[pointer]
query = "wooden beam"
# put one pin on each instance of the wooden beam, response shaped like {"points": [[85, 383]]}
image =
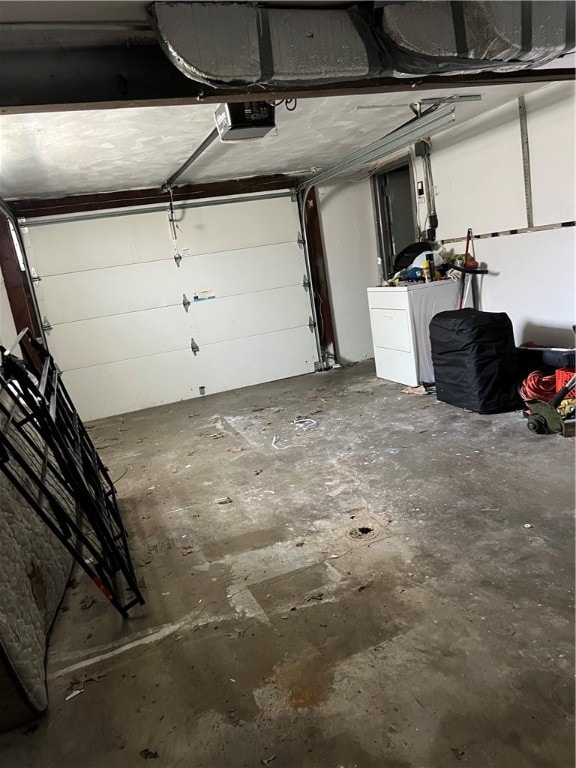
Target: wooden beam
{"points": [[17, 286], [117, 77], [135, 197], [318, 269], [387, 85]]}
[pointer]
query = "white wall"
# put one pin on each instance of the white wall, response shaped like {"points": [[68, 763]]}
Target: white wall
{"points": [[477, 170], [552, 139], [349, 234], [7, 327], [537, 295]]}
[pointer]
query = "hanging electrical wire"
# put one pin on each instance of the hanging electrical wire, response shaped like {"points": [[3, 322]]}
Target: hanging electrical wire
{"points": [[174, 228], [290, 104], [171, 219]]}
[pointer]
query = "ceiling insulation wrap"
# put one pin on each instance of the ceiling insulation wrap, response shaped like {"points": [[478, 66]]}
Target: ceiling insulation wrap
{"points": [[210, 43], [435, 37], [241, 44]]}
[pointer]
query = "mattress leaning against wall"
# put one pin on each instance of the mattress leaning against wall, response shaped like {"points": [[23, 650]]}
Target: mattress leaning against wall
{"points": [[34, 571], [57, 503]]}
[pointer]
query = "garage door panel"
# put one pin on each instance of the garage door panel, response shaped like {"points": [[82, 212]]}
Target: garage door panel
{"points": [[131, 385], [236, 317], [103, 292], [244, 270], [223, 366], [113, 293], [247, 224], [136, 334], [78, 246]]}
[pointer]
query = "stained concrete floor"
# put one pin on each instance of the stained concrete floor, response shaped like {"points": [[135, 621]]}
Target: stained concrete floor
{"points": [[277, 633]]}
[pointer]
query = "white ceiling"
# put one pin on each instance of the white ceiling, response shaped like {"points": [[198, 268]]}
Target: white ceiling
{"points": [[64, 153]]}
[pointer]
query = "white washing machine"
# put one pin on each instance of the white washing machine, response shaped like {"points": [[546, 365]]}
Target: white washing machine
{"points": [[400, 319]]}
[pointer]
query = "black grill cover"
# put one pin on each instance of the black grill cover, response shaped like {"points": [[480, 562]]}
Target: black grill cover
{"points": [[474, 360]]}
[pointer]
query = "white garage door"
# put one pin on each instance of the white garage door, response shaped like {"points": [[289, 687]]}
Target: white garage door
{"points": [[123, 332]]}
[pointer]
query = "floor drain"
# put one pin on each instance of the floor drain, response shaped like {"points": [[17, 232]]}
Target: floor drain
{"points": [[362, 532]]}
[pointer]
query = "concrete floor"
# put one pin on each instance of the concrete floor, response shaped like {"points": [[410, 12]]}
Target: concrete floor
{"points": [[276, 633]]}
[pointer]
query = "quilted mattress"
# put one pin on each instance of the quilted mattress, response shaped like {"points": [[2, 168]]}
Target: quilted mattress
{"points": [[34, 570]]}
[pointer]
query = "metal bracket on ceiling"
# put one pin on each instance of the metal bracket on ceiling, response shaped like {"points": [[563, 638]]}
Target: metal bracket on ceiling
{"points": [[300, 240], [194, 347], [185, 302], [452, 99], [177, 258], [430, 122], [46, 325], [306, 283], [311, 324], [439, 101]]}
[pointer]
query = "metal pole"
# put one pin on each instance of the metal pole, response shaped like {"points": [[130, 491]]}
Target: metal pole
{"points": [[169, 183], [41, 221], [430, 121], [526, 161]]}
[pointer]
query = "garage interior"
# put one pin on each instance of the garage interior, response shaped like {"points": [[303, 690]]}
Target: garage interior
{"points": [[324, 565]]}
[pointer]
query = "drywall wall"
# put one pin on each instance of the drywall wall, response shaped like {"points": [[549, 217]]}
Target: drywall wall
{"points": [[349, 234], [552, 141], [478, 175], [539, 300], [7, 327], [477, 171]]}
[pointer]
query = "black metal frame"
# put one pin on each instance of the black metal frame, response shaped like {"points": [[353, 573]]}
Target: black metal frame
{"points": [[47, 454]]}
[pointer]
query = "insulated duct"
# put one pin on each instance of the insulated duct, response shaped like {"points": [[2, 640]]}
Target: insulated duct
{"points": [[444, 37], [242, 44]]}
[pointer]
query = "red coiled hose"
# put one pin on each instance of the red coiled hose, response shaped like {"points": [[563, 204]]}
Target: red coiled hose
{"points": [[537, 386]]}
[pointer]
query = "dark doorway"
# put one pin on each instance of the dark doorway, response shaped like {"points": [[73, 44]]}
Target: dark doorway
{"points": [[397, 224]]}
